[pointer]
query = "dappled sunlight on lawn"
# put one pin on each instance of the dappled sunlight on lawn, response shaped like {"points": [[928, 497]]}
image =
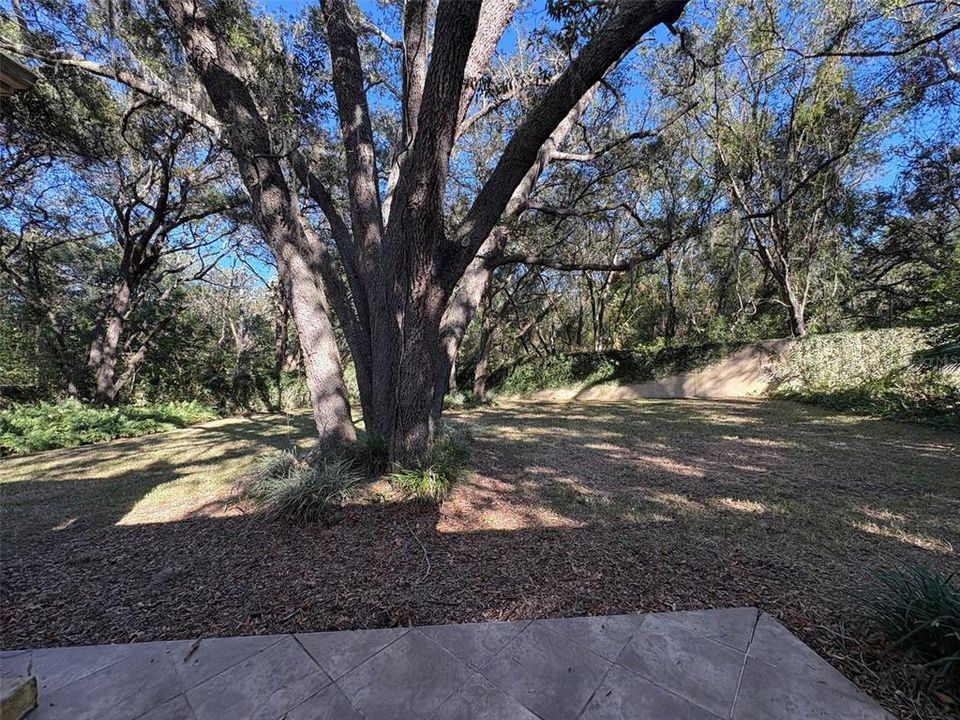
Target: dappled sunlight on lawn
{"points": [[921, 541], [155, 478], [796, 477], [743, 506], [569, 510]]}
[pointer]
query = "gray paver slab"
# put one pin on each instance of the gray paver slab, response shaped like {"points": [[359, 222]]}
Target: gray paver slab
{"points": [[626, 695], [57, 667], [123, 690], [546, 673], [606, 636], [480, 699], [328, 704], [263, 686], [409, 678], [474, 643], [197, 662], [340, 651], [772, 693], [176, 709], [15, 664], [775, 645], [730, 626], [678, 666], [696, 668]]}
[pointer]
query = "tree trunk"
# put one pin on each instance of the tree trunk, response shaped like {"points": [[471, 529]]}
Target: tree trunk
{"points": [[795, 312], [275, 211], [486, 346], [105, 346], [453, 376], [321, 357], [460, 311], [413, 422], [281, 319]]}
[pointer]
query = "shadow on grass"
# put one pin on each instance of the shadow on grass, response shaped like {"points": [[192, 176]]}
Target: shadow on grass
{"points": [[741, 467], [42, 496], [573, 509]]}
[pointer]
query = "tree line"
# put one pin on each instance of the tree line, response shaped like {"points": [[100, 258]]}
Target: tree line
{"points": [[422, 182]]}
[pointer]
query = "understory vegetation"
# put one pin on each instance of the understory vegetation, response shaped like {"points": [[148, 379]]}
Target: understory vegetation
{"points": [[918, 609], [304, 487], [433, 477], [897, 373], [292, 486], [645, 362], [45, 426]]}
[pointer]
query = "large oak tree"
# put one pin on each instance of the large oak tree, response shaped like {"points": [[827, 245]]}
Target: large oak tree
{"points": [[387, 258]]}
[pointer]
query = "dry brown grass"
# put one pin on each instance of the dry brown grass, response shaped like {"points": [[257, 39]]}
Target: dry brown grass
{"points": [[155, 478], [573, 509]]}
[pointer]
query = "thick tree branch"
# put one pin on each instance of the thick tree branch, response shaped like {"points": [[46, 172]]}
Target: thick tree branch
{"points": [[357, 134], [149, 88], [495, 15], [619, 34], [419, 193]]}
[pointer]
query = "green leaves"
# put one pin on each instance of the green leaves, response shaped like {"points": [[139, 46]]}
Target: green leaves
{"points": [[293, 487], [46, 426], [434, 476], [918, 609]]}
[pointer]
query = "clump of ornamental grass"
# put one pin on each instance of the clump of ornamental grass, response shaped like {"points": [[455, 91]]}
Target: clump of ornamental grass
{"points": [[372, 453], [918, 610], [287, 486], [432, 478]]}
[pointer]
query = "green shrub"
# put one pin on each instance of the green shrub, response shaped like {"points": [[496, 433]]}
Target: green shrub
{"points": [[286, 486], [836, 361], [294, 392], [46, 426], [434, 476], [614, 366], [456, 400], [270, 468], [465, 399], [918, 609], [883, 373]]}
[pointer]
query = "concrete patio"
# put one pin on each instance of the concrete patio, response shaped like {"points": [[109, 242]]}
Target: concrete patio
{"points": [[734, 663]]}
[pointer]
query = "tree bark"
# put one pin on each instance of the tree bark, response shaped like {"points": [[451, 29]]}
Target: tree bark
{"points": [[486, 346], [105, 346], [415, 239], [281, 320], [274, 208]]}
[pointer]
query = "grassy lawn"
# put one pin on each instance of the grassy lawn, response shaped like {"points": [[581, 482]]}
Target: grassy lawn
{"points": [[156, 478], [573, 509]]}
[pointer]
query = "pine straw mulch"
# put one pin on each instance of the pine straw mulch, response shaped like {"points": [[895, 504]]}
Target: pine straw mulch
{"points": [[573, 510]]}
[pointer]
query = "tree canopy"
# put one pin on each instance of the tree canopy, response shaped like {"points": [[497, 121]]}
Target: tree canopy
{"points": [[425, 186]]}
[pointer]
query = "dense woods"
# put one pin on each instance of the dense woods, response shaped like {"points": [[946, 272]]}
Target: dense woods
{"points": [[209, 200]]}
